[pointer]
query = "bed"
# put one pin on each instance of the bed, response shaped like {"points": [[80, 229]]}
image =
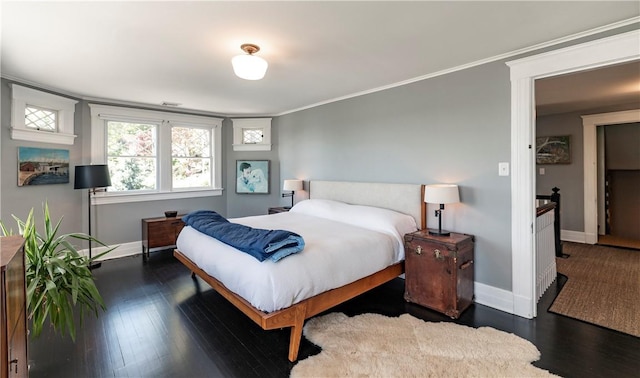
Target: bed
{"points": [[286, 293]]}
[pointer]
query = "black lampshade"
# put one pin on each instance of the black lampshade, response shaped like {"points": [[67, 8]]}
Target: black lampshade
{"points": [[92, 176]]}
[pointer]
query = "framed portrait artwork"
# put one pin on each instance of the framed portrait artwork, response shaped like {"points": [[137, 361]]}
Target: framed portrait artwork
{"points": [[553, 150], [252, 176]]}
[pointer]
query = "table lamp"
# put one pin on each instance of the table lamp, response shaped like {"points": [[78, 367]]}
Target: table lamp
{"points": [[441, 194], [291, 185]]}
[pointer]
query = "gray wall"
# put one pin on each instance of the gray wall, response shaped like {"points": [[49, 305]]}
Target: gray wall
{"points": [[240, 205], [568, 177], [453, 128], [112, 224], [449, 129], [622, 144], [63, 200]]}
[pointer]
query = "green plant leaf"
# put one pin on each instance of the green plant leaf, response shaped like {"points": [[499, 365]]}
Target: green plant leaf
{"points": [[58, 276]]}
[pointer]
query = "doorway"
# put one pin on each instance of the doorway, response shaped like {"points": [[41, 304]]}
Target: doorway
{"points": [[618, 180], [595, 179], [607, 51]]}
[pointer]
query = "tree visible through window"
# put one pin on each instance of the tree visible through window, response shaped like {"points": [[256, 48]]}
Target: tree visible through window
{"points": [[132, 155], [156, 155], [191, 157]]}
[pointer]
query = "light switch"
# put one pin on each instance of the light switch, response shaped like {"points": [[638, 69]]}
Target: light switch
{"points": [[541, 171], [503, 169]]}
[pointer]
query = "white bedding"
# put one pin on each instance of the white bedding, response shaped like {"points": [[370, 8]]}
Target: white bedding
{"points": [[335, 254]]}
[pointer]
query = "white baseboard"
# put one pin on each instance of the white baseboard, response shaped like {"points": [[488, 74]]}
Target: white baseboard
{"points": [[572, 236], [493, 297], [123, 250]]}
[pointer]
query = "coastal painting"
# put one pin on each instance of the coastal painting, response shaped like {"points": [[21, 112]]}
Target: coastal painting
{"points": [[42, 166]]}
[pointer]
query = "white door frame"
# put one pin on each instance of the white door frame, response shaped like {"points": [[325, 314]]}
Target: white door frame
{"points": [[590, 124], [603, 52]]}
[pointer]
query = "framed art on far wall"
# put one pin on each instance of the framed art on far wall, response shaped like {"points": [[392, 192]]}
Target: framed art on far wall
{"points": [[252, 176], [553, 150]]}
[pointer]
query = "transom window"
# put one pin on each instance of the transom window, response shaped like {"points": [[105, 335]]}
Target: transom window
{"points": [[38, 116], [40, 119], [156, 155], [251, 136]]}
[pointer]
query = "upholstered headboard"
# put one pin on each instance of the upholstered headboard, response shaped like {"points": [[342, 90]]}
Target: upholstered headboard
{"points": [[404, 198]]}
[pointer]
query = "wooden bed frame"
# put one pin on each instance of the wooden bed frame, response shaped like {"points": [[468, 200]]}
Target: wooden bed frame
{"points": [[295, 315]]}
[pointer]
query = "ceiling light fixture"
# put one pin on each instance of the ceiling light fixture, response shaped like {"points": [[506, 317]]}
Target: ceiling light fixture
{"points": [[249, 66]]}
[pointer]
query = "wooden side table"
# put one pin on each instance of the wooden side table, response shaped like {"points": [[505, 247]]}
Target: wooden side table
{"points": [[276, 210], [160, 233], [439, 271]]}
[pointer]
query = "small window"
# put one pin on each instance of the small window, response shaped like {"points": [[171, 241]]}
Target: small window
{"points": [[40, 119], [251, 136], [39, 116]]}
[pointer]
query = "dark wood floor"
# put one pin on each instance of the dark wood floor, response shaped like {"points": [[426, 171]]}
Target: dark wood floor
{"points": [[161, 323]]}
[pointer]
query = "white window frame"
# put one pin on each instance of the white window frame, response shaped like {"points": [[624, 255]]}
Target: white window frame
{"points": [[21, 97], [241, 124], [102, 113]]}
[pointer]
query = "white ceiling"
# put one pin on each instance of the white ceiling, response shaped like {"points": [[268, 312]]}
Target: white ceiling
{"points": [[599, 88], [180, 51]]}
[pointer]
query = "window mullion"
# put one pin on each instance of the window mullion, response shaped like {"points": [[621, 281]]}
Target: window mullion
{"points": [[164, 157]]}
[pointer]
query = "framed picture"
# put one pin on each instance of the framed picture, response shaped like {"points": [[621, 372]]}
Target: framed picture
{"points": [[42, 166], [553, 150], [252, 176]]}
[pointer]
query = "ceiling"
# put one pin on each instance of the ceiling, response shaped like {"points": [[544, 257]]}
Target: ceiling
{"points": [[318, 52], [593, 89]]}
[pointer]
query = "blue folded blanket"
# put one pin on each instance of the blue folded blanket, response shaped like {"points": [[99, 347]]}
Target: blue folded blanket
{"points": [[259, 243]]}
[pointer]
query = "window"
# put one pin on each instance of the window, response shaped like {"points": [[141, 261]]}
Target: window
{"points": [[41, 119], [156, 155], [191, 157], [132, 155], [40, 116], [251, 134]]}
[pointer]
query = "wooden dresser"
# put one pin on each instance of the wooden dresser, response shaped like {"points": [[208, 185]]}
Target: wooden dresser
{"points": [[160, 233], [14, 308], [439, 271]]}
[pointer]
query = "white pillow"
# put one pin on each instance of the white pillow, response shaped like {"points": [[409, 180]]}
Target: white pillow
{"points": [[373, 218]]}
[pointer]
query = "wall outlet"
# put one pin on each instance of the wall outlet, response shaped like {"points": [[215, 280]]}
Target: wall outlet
{"points": [[542, 171], [503, 169]]}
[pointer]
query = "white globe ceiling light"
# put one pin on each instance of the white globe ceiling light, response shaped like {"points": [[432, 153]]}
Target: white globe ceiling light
{"points": [[249, 66]]}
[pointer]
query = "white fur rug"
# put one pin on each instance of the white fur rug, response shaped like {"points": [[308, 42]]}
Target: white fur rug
{"points": [[372, 345]]}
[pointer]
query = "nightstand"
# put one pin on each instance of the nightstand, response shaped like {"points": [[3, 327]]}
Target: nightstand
{"points": [[276, 210], [439, 271], [159, 233]]}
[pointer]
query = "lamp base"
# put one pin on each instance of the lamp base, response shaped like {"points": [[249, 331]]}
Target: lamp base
{"points": [[439, 232], [95, 265]]}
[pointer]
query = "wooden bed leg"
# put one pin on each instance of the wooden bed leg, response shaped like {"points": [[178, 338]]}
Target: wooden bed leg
{"points": [[296, 332], [193, 275]]}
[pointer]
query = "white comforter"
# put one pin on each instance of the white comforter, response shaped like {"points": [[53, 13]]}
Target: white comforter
{"points": [[335, 254]]}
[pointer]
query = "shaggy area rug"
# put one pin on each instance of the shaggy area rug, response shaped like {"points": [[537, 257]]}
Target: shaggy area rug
{"points": [[372, 345]]}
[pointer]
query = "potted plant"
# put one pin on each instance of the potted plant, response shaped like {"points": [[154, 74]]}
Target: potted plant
{"points": [[58, 278]]}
